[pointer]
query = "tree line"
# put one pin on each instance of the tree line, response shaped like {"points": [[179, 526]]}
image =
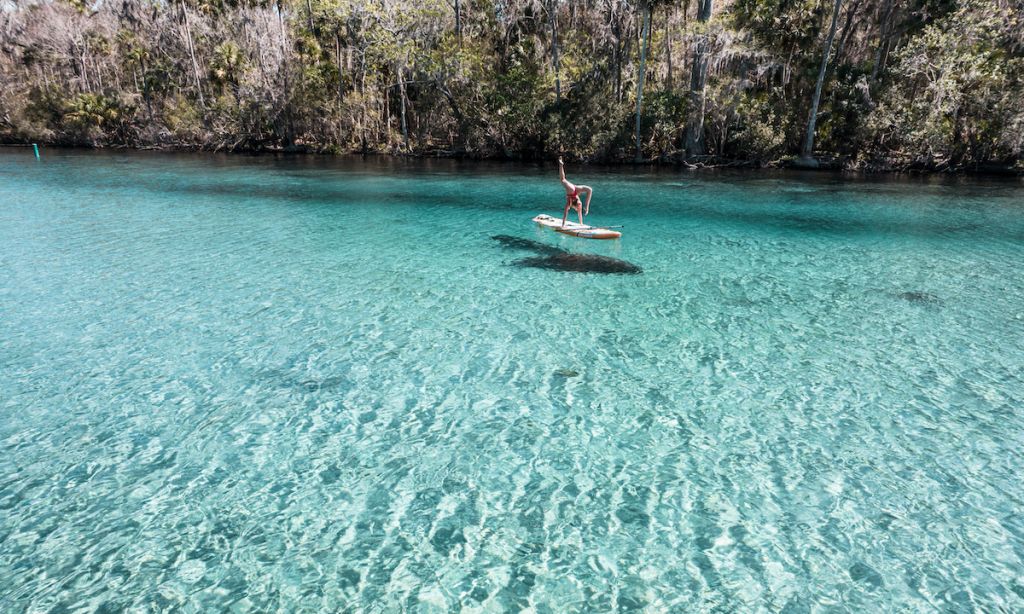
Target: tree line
{"points": [[934, 84]]}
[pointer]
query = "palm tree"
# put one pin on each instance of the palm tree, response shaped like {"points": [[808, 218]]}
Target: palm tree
{"points": [[227, 65]]}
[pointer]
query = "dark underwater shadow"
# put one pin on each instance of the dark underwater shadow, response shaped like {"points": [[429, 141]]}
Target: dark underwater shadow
{"points": [[844, 223], [919, 297], [527, 245], [285, 378], [581, 263], [557, 259]]}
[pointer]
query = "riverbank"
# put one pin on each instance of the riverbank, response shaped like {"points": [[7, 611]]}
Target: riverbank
{"points": [[825, 163]]}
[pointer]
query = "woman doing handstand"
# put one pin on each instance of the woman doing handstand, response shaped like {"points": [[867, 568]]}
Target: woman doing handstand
{"points": [[572, 195]]}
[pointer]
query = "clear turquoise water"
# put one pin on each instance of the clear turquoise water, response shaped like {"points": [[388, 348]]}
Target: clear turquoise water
{"points": [[271, 384]]}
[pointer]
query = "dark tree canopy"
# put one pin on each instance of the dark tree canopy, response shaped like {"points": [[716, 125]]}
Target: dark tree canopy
{"points": [[907, 83]]}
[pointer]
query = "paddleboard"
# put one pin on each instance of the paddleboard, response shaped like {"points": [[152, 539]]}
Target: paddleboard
{"points": [[576, 229]]}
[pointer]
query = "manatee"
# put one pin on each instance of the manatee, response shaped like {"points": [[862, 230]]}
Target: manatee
{"points": [[918, 296], [581, 263], [558, 259], [527, 245]]}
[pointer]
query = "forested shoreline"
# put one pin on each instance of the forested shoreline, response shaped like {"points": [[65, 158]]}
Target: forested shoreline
{"points": [[857, 84]]}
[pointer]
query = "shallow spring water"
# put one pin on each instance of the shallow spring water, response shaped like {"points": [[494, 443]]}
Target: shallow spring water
{"points": [[258, 384]]}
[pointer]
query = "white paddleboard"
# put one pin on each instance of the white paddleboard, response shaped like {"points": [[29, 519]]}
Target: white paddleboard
{"points": [[576, 229]]}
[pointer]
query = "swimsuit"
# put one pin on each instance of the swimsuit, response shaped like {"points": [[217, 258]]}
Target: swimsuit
{"points": [[570, 198]]}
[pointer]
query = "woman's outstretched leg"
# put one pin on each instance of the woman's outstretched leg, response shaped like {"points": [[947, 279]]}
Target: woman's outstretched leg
{"points": [[561, 175]]}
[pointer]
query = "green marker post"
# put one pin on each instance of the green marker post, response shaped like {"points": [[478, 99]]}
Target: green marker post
{"points": [[35, 148]]}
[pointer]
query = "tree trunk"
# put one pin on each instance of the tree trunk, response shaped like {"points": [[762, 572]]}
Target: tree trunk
{"points": [[192, 54], [99, 73], [812, 119], [289, 136], [883, 40], [259, 56], [364, 120], [883, 56], [386, 113], [84, 71], [698, 80], [627, 49], [145, 88], [85, 74], [458, 21], [617, 30], [848, 28], [554, 50], [341, 75], [401, 105], [640, 82], [668, 50]]}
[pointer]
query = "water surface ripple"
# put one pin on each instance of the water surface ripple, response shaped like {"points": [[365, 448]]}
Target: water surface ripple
{"points": [[275, 384]]}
